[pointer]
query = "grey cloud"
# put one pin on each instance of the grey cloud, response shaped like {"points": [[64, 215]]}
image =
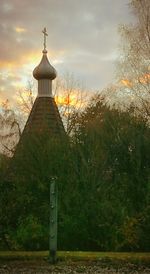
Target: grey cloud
{"points": [[93, 70], [86, 30]]}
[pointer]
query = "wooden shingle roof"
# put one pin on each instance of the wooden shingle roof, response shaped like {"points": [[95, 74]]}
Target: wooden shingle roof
{"points": [[44, 118]]}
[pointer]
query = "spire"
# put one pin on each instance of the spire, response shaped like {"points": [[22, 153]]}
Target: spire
{"points": [[44, 73], [44, 123]]}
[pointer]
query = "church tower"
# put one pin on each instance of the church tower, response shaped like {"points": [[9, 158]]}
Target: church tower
{"points": [[44, 116], [44, 127]]}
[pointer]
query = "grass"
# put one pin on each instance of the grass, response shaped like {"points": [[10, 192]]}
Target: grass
{"points": [[112, 257]]}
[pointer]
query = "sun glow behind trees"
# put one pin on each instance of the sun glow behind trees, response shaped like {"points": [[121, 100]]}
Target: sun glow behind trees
{"points": [[143, 79], [69, 95]]}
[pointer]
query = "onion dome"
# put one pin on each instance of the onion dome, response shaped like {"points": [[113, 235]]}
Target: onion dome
{"points": [[44, 70]]}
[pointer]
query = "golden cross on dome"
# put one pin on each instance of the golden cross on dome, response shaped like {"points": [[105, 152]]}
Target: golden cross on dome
{"points": [[45, 34]]}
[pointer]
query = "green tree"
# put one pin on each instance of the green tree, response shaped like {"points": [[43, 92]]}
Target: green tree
{"points": [[113, 170]]}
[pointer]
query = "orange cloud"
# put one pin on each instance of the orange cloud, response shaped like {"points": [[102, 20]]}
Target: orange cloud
{"points": [[20, 30], [28, 60], [25, 60], [7, 64]]}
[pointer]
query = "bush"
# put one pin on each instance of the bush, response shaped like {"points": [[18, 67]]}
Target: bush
{"points": [[32, 235], [135, 232]]}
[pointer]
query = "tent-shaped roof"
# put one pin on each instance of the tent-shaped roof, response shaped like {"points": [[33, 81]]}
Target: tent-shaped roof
{"points": [[44, 118]]}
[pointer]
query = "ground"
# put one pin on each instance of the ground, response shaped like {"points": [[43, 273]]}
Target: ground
{"points": [[43, 267], [25, 262]]}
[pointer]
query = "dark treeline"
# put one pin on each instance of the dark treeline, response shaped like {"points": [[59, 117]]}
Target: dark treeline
{"points": [[103, 177]]}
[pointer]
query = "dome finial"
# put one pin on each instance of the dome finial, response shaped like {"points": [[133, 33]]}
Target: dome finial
{"points": [[45, 34], [44, 70]]}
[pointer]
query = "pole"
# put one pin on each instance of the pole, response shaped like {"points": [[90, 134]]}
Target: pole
{"points": [[53, 221]]}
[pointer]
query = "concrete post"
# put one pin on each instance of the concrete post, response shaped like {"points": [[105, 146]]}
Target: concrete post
{"points": [[53, 221]]}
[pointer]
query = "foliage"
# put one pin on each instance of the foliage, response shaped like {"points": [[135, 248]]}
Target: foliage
{"points": [[114, 151], [103, 179], [31, 234], [135, 231]]}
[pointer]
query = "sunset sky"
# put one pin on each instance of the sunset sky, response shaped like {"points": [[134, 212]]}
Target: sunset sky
{"points": [[82, 39]]}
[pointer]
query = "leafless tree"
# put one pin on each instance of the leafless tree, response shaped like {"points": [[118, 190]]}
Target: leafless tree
{"points": [[134, 65], [70, 97], [9, 130], [26, 97], [69, 94]]}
